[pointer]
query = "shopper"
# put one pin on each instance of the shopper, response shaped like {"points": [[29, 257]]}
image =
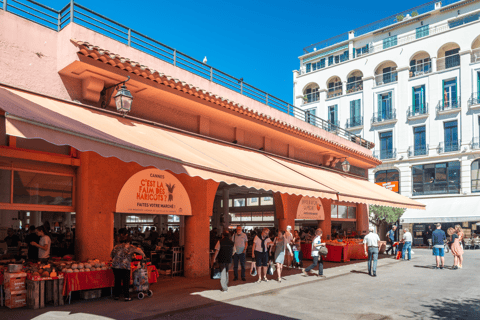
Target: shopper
{"points": [[455, 248], [43, 245], [461, 235], [241, 243], [407, 244], [391, 239], [317, 258], [261, 244], [224, 251], [280, 245], [438, 243], [13, 242], [371, 241], [297, 254], [289, 255], [32, 236], [122, 256]]}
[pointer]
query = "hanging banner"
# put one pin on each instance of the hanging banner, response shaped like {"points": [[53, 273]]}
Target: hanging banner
{"points": [[392, 185], [154, 191], [310, 209]]}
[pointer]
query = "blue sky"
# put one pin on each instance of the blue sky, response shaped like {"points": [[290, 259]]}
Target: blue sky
{"points": [[257, 40]]}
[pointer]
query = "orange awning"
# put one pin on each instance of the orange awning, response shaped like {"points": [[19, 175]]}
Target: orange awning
{"points": [[85, 128]]}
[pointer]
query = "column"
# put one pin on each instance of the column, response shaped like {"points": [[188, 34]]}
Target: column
{"points": [[226, 214], [369, 107], [466, 126], [68, 220], [362, 219], [286, 209], [401, 104], [326, 224]]}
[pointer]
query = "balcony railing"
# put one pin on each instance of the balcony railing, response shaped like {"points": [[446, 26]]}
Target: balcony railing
{"points": [[475, 143], [385, 78], [420, 69], [354, 86], [311, 97], [448, 62], [448, 105], [449, 146], [475, 55], [421, 150], [384, 116], [414, 111], [354, 122], [474, 99], [80, 15], [333, 126], [334, 92], [385, 154]]}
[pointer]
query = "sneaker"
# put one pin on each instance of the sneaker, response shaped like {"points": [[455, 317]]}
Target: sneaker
{"points": [[304, 272], [441, 268], [321, 276]]}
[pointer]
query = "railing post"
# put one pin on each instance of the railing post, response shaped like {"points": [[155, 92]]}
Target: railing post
{"points": [[266, 99], [174, 57], [241, 87], [129, 37], [288, 108], [211, 74], [5, 5], [59, 21], [71, 10]]}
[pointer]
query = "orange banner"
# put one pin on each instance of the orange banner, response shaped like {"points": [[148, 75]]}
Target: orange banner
{"points": [[392, 185]]}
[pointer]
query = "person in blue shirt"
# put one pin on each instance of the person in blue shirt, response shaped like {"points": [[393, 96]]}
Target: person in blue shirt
{"points": [[438, 237], [391, 239]]}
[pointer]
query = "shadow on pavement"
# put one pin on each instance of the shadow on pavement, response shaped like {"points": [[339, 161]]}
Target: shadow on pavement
{"points": [[361, 272], [449, 309], [425, 267]]}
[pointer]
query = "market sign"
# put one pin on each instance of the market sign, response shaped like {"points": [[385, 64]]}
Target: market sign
{"points": [[310, 209], [154, 191], [392, 185]]}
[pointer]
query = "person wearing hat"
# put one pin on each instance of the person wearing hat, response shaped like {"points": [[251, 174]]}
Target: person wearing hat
{"points": [[288, 254]]}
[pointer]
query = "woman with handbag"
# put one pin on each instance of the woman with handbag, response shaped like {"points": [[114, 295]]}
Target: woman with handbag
{"points": [[455, 248], [279, 248], [318, 249]]}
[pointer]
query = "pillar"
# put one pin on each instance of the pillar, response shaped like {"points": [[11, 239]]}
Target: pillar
{"points": [[68, 220], [286, 206], [362, 219], [197, 226], [326, 224], [226, 214]]}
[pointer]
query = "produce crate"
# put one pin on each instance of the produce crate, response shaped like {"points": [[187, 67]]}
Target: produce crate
{"points": [[15, 299], [14, 281], [42, 291], [90, 294]]}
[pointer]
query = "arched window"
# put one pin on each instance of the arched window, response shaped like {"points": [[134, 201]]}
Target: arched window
{"points": [[354, 81], [334, 85], [386, 72], [420, 64], [389, 179], [310, 93], [448, 56], [476, 176]]}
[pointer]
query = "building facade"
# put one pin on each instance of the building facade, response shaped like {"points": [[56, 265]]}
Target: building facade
{"points": [[411, 84]]}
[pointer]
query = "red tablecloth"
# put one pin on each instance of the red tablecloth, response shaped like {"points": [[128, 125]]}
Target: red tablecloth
{"points": [[98, 279], [355, 252], [1, 279], [335, 253], [307, 251]]}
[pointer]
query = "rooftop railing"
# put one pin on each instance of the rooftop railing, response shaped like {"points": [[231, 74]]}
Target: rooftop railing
{"points": [[76, 13], [384, 116], [420, 69]]}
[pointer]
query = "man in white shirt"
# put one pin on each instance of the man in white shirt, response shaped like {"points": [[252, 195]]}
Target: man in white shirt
{"points": [[317, 258], [261, 245], [241, 242], [407, 244], [289, 238], [371, 241], [43, 246]]}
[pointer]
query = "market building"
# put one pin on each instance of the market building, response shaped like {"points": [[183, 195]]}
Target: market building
{"points": [[410, 83], [192, 140]]}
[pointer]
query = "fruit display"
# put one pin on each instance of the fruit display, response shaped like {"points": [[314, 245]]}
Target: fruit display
{"points": [[344, 242]]}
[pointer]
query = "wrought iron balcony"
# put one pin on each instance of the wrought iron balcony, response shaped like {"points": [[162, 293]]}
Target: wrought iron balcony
{"points": [[449, 146], [385, 154], [354, 122], [421, 150], [420, 69], [446, 106], [311, 97], [334, 92], [474, 100], [417, 111], [384, 117], [387, 77], [448, 62], [354, 86]]}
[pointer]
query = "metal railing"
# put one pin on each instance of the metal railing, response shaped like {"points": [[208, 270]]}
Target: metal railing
{"points": [[387, 77], [311, 97], [447, 105], [354, 86], [474, 99], [421, 150], [384, 116], [449, 146], [414, 111], [334, 91], [333, 125], [448, 62], [475, 143], [385, 154], [354, 122], [76, 13], [420, 69], [475, 55]]}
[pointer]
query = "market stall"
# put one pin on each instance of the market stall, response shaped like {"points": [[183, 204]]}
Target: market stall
{"points": [[345, 250]]}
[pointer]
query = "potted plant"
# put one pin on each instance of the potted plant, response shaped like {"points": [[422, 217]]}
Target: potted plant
{"points": [[400, 17], [414, 13], [305, 99]]}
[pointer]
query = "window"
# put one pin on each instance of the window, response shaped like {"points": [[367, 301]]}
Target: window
{"points": [[464, 20], [361, 51], [310, 116], [419, 67], [386, 145], [334, 59], [476, 176], [343, 212], [420, 147], [230, 203], [239, 202], [422, 31], [334, 88], [451, 136], [355, 116], [389, 42], [330, 60], [266, 201], [388, 179], [311, 94], [418, 100], [452, 58], [450, 94], [332, 114], [354, 84], [439, 178], [251, 202], [308, 67], [389, 75], [384, 107]]}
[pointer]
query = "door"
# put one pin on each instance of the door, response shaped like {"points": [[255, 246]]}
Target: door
{"points": [[450, 94], [332, 115], [419, 141], [418, 100], [387, 75], [386, 145], [387, 106], [355, 113], [451, 136]]}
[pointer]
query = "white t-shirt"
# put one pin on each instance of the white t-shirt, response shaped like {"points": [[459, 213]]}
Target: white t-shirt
{"points": [[371, 239], [407, 236], [315, 243], [240, 241], [44, 254], [257, 244]]}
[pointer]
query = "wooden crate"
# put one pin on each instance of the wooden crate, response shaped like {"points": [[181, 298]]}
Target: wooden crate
{"points": [[40, 292], [90, 294]]}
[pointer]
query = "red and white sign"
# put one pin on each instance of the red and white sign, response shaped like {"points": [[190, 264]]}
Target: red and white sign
{"points": [[310, 209], [392, 185], [153, 191]]}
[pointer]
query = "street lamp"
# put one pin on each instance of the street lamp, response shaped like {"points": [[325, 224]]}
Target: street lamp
{"points": [[346, 165], [123, 98]]}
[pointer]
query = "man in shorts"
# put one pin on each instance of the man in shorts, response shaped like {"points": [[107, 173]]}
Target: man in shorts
{"points": [[438, 237]]}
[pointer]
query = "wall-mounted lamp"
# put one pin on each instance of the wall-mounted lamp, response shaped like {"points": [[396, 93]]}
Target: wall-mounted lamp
{"points": [[346, 165], [123, 98]]}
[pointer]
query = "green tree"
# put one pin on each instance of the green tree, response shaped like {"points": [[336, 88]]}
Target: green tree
{"points": [[381, 214]]}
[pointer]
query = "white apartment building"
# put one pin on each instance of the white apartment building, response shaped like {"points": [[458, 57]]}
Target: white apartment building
{"points": [[410, 83]]}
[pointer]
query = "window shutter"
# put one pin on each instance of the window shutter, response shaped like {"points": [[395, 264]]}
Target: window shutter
{"points": [[357, 108], [456, 90], [353, 53], [443, 92], [352, 109], [422, 98], [413, 99], [336, 114], [379, 107]]}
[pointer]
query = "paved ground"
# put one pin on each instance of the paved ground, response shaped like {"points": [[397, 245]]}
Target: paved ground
{"points": [[402, 290]]}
